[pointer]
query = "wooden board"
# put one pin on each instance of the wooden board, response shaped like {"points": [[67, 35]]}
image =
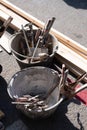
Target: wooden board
{"points": [[5, 42]]}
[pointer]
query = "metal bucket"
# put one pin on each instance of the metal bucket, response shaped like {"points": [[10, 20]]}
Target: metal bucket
{"points": [[39, 81], [35, 81], [21, 58]]}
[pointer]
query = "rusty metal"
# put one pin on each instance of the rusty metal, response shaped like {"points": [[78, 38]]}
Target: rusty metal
{"points": [[31, 103]]}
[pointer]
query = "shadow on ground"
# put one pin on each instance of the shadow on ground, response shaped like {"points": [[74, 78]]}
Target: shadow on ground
{"points": [[78, 4], [5, 104], [58, 120]]}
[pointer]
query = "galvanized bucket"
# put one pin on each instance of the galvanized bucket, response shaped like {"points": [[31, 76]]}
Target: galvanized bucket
{"points": [[35, 81], [39, 81], [51, 44]]}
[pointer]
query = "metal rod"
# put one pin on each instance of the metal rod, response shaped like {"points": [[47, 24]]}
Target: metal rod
{"points": [[43, 36], [35, 50], [21, 103], [80, 88], [65, 76], [29, 51], [51, 90], [47, 29], [5, 25], [32, 34], [38, 32], [78, 80], [58, 68]]}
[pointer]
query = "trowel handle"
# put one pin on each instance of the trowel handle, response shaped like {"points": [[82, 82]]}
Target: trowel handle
{"points": [[80, 89]]}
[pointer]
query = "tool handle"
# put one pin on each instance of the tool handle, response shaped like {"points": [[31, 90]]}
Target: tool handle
{"points": [[5, 25], [48, 27]]}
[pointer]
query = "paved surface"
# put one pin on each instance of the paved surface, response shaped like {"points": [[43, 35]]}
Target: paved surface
{"points": [[70, 115], [71, 15]]}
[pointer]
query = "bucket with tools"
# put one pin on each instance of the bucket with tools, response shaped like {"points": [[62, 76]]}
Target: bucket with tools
{"points": [[33, 47], [38, 91]]}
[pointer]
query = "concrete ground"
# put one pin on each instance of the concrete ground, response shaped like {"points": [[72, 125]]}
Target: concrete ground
{"points": [[70, 20], [71, 15]]}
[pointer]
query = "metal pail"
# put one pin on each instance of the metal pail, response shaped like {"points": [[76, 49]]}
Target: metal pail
{"points": [[36, 81], [22, 58]]}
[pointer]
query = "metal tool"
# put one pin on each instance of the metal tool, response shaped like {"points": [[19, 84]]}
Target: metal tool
{"points": [[58, 84], [73, 85], [38, 32], [43, 36], [29, 51], [5, 25], [32, 103], [46, 30], [32, 34]]}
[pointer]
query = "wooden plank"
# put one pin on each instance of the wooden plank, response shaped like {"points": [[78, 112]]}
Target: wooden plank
{"points": [[15, 24], [0, 49], [17, 20], [73, 45], [5, 16], [5, 42], [72, 67], [76, 64], [72, 56], [62, 38]]}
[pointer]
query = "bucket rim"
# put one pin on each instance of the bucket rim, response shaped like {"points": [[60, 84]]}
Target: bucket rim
{"points": [[37, 67], [28, 68], [15, 53]]}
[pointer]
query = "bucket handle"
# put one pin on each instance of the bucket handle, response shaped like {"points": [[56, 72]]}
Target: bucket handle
{"points": [[80, 89], [71, 94], [26, 57]]}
